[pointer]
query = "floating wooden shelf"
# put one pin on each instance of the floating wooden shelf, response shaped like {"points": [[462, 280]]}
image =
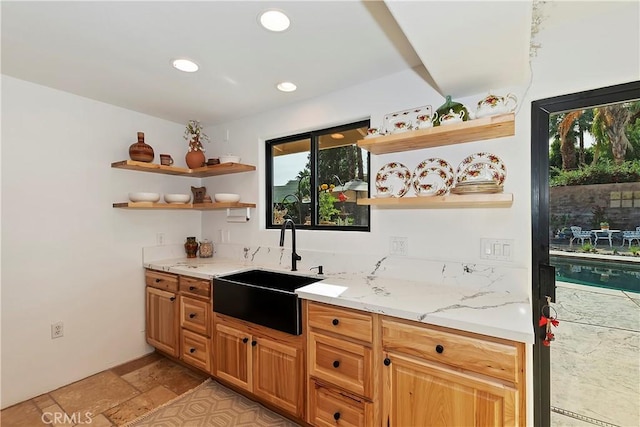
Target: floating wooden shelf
{"points": [[472, 130], [220, 169], [497, 200], [182, 206]]}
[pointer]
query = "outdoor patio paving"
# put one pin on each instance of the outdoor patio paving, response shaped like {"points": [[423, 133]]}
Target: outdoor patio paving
{"points": [[595, 359]]}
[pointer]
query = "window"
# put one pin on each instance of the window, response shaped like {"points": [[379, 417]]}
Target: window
{"points": [[316, 179]]}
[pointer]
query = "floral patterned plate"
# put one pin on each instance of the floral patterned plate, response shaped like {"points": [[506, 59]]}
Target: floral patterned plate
{"points": [[432, 177], [481, 167], [394, 178]]}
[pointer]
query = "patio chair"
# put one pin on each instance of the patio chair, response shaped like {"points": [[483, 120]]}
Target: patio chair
{"points": [[631, 236], [579, 234]]}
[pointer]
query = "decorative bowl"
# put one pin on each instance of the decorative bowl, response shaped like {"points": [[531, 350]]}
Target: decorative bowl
{"points": [[144, 197], [229, 159], [226, 197], [177, 198]]}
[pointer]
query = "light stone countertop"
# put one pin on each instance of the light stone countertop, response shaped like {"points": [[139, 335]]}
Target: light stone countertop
{"points": [[495, 313]]}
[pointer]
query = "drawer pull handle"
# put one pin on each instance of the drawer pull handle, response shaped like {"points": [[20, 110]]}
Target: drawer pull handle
{"points": [[254, 343], [192, 288], [335, 322], [336, 416], [172, 299], [158, 280], [336, 363], [192, 350], [386, 361], [439, 349], [192, 315], [245, 340]]}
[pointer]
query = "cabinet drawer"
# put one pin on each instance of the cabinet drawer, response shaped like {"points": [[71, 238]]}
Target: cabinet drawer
{"points": [[196, 350], [164, 281], [342, 363], [195, 315], [495, 359], [329, 407], [343, 321], [195, 287]]}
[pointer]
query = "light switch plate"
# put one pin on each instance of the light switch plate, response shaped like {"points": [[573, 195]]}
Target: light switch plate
{"points": [[496, 249], [398, 246]]}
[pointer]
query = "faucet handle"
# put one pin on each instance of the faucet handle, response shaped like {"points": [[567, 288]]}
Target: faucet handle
{"points": [[319, 267]]}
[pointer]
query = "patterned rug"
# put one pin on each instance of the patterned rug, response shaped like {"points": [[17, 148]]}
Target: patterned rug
{"points": [[211, 404]]}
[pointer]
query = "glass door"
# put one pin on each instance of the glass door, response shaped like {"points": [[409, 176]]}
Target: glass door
{"points": [[589, 374]]}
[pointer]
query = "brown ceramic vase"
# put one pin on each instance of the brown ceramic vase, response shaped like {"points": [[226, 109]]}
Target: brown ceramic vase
{"points": [[195, 159], [140, 151]]}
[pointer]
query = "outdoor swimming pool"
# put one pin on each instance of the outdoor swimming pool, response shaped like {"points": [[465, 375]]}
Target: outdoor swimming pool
{"points": [[623, 276]]}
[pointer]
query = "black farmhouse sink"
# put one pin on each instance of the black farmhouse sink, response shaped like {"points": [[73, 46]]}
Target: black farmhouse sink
{"points": [[263, 297]]}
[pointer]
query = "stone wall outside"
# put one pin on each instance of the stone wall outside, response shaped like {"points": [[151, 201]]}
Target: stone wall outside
{"points": [[574, 205]]}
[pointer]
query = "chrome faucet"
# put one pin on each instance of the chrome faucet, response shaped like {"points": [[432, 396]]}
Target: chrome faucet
{"points": [[294, 256]]}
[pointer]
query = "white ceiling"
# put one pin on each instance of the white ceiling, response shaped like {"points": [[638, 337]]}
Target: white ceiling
{"points": [[121, 52]]}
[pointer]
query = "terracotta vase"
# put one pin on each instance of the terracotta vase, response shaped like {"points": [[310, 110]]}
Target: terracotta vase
{"points": [[195, 159], [140, 151]]}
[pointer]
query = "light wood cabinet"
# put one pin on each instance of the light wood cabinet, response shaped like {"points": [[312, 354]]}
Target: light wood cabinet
{"points": [[178, 317], [162, 320], [265, 362], [440, 377], [343, 381]]}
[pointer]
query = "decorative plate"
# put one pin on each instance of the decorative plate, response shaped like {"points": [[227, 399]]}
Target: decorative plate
{"points": [[481, 167], [432, 177], [394, 178]]}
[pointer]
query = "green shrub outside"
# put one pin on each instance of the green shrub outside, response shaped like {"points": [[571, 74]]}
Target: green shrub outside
{"points": [[604, 172]]}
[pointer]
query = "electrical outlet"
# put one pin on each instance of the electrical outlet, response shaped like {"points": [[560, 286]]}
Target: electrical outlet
{"points": [[57, 330], [398, 246], [159, 239]]}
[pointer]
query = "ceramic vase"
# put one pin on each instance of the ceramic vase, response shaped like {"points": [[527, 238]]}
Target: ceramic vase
{"points": [[191, 247], [140, 151]]}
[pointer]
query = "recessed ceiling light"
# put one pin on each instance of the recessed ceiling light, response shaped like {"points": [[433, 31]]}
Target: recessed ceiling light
{"points": [[337, 136], [185, 65], [286, 87], [274, 20]]}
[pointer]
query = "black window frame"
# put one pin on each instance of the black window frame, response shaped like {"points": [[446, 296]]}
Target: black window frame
{"points": [[313, 136]]}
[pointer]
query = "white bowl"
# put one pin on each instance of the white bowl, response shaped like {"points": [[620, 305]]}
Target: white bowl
{"points": [[144, 197], [226, 197], [177, 198], [229, 159]]}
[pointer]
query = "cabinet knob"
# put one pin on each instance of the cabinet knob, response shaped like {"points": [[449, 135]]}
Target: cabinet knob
{"points": [[192, 350], [254, 343], [336, 363], [336, 416], [192, 288], [172, 298], [386, 361], [158, 280], [439, 349], [245, 340], [192, 315], [335, 322]]}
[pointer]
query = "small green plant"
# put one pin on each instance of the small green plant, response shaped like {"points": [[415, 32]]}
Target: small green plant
{"points": [[635, 250], [326, 200], [588, 247], [615, 251], [194, 134]]}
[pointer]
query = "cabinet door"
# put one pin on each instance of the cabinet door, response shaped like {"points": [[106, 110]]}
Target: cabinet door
{"points": [[162, 321], [232, 359], [278, 374], [425, 394]]}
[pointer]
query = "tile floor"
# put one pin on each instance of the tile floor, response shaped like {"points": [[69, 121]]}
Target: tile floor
{"points": [[595, 359], [110, 398]]}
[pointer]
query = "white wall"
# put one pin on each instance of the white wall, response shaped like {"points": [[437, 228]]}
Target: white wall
{"points": [[67, 255]]}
